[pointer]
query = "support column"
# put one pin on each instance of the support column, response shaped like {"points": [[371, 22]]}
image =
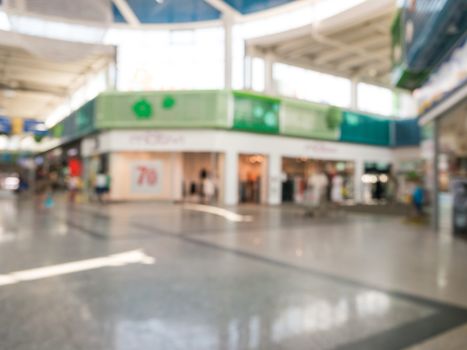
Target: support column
{"points": [[435, 210], [275, 179], [354, 94], [177, 176], [248, 72], [231, 178], [228, 50], [358, 187], [268, 74]]}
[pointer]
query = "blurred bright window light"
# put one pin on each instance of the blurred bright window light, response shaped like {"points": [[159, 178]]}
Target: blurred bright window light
{"points": [[3, 142], [4, 22], [375, 99], [93, 87], [166, 60], [58, 114], [312, 86], [11, 183], [257, 76]]}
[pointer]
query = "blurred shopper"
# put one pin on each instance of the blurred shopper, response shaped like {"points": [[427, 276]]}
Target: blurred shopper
{"points": [[378, 190], [73, 188], [193, 191], [418, 198], [392, 188], [101, 186], [202, 176], [318, 183], [23, 185], [337, 188], [209, 189], [43, 190]]}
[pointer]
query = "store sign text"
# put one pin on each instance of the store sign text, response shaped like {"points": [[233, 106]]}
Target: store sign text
{"points": [[156, 139], [321, 148]]}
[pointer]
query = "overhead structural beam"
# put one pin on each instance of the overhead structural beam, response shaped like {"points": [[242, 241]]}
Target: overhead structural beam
{"points": [[127, 12], [43, 90], [383, 54], [223, 7]]}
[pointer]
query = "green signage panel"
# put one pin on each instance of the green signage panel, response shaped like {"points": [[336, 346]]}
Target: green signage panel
{"points": [[311, 120], [174, 109], [256, 113], [365, 129], [77, 124]]}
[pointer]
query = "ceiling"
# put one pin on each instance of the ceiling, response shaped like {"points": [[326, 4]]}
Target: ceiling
{"points": [[144, 11], [178, 11], [32, 85], [355, 43]]}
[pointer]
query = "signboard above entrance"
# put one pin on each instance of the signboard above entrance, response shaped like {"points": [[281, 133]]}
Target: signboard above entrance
{"points": [[256, 113]]}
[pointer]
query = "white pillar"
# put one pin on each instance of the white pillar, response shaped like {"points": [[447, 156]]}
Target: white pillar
{"points": [[247, 72], [177, 176], [228, 51], [358, 185], [268, 74], [354, 94], [275, 179], [231, 178]]}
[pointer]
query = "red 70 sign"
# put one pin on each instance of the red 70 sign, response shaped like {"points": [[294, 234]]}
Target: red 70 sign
{"points": [[146, 176]]}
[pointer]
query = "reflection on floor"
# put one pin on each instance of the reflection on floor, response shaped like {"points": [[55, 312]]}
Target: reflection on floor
{"points": [[160, 276]]}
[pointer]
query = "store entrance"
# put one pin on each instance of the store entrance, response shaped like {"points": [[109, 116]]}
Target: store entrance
{"points": [[298, 171], [377, 181], [253, 175], [452, 168], [201, 173]]}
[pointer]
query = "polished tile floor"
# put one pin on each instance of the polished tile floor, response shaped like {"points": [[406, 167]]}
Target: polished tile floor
{"points": [[279, 281]]}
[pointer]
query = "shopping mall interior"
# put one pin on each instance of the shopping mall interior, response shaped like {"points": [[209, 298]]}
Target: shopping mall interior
{"points": [[233, 174]]}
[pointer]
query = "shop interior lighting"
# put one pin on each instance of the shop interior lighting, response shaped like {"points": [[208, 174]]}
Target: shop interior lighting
{"points": [[383, 178], [369, 178]]}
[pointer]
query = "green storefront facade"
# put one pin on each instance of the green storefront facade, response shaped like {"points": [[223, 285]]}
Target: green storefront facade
{"points": [[219, 109]]}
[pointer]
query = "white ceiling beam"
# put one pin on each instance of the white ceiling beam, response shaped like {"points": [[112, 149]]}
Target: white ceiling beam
{"points": [[308, 50], [14, 70], [291, 45], [336, 53], [384, 54], [224, 8], [127, 12], [364, 12]]}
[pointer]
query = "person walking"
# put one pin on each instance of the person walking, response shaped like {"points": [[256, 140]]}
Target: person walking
{"points": [[209, 189]]}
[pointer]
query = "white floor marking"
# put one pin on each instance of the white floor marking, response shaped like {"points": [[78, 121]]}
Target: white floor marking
{"points": [[121, 259], [229, 215]]}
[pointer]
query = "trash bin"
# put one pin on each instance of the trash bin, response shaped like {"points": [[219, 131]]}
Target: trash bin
{"points": [[459, 212]]}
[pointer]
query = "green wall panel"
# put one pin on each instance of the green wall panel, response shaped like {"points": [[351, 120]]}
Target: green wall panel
{"points": [[365, 129], [256, 113], [180, 109], [84, 119], [310, 120]]}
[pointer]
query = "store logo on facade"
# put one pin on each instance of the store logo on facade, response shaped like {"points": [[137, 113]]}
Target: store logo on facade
{"points": [[168, 102], [321, 147], [142, 109]]}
